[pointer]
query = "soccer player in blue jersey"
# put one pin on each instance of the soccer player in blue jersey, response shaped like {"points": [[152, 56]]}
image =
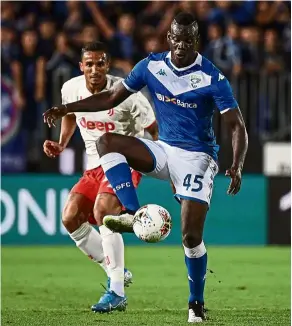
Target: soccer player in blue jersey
{"points": [[185, 88]]}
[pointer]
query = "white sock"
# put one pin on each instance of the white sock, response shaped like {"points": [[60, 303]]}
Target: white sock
{"points": [[113, 247], [89, 241], [110, 160]]}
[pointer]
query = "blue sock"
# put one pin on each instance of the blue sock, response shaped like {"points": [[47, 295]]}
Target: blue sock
{"points": [[196, 262], [119, 175]]}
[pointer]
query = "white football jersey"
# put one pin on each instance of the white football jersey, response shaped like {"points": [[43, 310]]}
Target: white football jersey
{"points": [[130, 118]]}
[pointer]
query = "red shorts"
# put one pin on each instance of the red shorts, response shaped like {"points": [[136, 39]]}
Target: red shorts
{"points": [[94, 182]]}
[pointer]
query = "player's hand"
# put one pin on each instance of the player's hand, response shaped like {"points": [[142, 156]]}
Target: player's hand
{"points": [[53, 114], [52, 149], [235, 183]]}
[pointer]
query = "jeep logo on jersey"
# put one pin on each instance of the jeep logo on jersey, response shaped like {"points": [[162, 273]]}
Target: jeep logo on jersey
{"points": [[195, 79], [176, 101], [99, 125]]}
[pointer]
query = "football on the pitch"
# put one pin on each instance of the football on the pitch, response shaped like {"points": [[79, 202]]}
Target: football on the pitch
{"points": [[152, 223]]}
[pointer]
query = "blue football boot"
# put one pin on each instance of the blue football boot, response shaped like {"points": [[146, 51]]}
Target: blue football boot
{"points": [[105, 305], [109, 302]]}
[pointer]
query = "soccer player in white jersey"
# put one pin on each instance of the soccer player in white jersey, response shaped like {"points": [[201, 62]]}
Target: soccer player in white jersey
{"points": [[93, 193], [185, 87]]}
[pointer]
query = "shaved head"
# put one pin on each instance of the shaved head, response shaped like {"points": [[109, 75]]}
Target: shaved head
{"points": [[185, 23]]}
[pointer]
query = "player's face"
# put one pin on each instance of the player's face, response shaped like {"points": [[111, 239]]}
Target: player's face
{"points": [[95, 66], [182, 46]]}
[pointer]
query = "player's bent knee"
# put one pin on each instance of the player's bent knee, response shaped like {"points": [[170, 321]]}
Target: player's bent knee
{"points": [[103, 144], [68, 222], [71, 219], [191, 239]]}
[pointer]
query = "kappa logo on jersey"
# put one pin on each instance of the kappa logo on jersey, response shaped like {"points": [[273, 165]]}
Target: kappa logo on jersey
{"points": [[161, 72], [98, 125], [176, 101], [221, 77], [195, 80]]}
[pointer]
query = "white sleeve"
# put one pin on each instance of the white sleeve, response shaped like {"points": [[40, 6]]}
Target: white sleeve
{"points": [[64, 95], [146, 111]]}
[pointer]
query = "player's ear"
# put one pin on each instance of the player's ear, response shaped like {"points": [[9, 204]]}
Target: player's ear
{"points": [[197, 39], [168, 37], [108, 63], [108, 66], [81, 66]]}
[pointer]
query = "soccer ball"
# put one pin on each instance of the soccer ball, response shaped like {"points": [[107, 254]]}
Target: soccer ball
{"points": [[152, 223]]}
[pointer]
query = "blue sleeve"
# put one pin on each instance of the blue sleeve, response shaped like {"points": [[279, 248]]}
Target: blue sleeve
{"points": [[222, 93], [135, 81]]}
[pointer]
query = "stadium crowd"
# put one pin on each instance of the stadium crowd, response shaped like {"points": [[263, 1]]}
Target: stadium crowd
{"points": [[39, 38]]}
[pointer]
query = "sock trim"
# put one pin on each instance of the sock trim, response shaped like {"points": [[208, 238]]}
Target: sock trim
{"points": [[111, 160], [81, 232], [196, 252]]}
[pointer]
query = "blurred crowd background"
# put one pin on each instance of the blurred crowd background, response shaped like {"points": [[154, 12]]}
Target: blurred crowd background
{"points": [[250, 41]]}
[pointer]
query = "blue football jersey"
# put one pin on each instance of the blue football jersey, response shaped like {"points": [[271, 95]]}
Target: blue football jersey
{"points": [[184, 99]]}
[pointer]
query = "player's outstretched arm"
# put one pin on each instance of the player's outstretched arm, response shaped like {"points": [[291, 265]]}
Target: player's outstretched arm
{"points": [[68, 126], [234, 119], [98, 102]]}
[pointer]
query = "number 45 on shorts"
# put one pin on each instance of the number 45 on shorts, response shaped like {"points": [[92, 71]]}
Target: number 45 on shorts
{"points": [[194, 182]]}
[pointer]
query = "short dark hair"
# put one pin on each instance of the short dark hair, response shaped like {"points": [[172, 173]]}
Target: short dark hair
{"points": [[94, 47], [184, 18]]}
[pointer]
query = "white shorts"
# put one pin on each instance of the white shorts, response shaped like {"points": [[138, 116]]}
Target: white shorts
{"points": [[192, 173]]}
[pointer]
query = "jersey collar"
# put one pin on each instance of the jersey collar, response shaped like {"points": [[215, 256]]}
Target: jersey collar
{"points": [[198, 61], [108, 82]]}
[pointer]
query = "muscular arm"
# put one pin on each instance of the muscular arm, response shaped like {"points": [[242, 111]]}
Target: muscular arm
{"points": [[102, 101], [234, 120], [68, 127]]}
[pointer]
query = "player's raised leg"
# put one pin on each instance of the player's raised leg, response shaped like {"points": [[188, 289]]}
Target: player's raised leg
{"points": [[117, 152], [193, 214], [113, 247], [75, 219]]}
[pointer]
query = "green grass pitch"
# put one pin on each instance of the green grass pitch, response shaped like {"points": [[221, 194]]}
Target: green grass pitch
{"points": [[57, 285]]}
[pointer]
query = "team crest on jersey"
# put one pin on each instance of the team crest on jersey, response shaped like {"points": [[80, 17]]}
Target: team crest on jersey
{"points": [[195, 80], [161, 72]]}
